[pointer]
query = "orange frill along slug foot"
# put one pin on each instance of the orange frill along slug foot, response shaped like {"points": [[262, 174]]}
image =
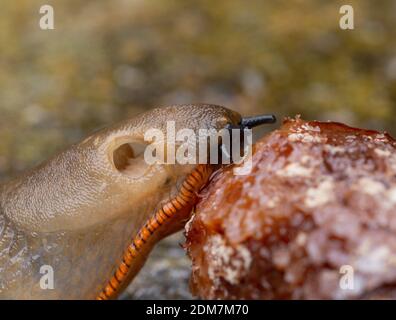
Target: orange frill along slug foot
{"points": [[315, 219]]}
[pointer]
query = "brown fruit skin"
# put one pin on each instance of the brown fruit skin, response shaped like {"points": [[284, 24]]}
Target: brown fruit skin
{"points": [[320, 200]]}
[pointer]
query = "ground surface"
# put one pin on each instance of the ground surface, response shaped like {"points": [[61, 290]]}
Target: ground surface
{"points": [[165, 275]]}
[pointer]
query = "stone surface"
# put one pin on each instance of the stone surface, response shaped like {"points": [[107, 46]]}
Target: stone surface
{"points": [[315, 219], [165, 275]]}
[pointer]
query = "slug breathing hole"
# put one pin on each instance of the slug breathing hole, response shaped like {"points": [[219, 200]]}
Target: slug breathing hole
{"points": [[129, 155]]}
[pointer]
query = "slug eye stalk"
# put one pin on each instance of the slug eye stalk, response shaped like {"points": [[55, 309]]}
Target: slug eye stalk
{"points": [[251, 122], [245, 123]]}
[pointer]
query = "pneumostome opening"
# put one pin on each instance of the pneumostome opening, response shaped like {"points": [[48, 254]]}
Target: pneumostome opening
{"points": [[128, 158]]}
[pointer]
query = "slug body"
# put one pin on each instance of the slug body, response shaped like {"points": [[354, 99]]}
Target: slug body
{"points": [[88, 217]]}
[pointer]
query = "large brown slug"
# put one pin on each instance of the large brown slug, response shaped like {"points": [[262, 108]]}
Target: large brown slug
{"points": [[93, 212]]}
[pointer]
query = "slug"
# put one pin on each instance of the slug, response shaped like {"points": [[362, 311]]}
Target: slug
{"points": [[81, 225]]}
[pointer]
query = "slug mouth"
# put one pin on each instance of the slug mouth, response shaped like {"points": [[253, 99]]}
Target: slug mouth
{"points": [[128, 159]]}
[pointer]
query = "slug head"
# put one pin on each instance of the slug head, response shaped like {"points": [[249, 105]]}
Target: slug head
{"points": [[107, 175]]}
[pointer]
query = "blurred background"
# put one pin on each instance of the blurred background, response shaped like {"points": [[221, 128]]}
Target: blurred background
{"points": [[109, 60]]}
